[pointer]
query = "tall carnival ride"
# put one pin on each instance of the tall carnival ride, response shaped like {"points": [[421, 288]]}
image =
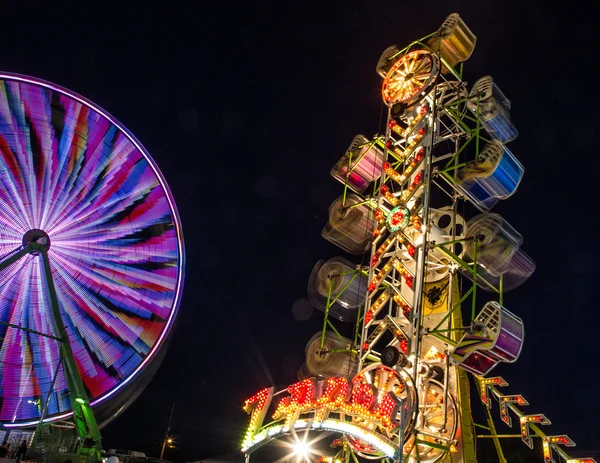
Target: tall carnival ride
{"points": [[398, 388], [91, 267]]}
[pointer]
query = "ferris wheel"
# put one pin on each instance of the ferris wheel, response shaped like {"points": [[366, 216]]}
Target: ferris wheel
{"points": [[92, 256], [393, 379]]}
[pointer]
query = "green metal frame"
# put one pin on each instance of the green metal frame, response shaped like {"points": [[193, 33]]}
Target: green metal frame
{"points": [[327, 324]]}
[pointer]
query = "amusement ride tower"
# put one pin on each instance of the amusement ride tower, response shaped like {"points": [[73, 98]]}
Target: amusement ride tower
{"points": [[398, 388]]}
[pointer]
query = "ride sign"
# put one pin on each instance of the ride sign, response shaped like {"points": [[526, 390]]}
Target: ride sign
{"points": [[352, 406]]}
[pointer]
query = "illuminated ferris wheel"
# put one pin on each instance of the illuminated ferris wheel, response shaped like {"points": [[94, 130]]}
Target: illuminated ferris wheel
{"points": [[92, 260], [417, 311]]}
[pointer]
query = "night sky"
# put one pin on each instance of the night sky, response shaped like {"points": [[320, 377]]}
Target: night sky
{"points": [[246, 106]]}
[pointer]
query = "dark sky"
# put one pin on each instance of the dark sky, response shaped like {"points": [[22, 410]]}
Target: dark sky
{"points": [[245, 106]]}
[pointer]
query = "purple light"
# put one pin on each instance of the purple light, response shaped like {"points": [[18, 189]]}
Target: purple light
{"points": [[72, 170]]}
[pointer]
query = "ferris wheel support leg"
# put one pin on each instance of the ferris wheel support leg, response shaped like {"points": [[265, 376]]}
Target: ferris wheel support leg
{"points": [[11, 260], [17, 255], [85, 421]]}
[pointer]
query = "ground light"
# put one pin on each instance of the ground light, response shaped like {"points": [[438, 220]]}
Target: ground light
{"points": [[167, 442], [302, 450]]}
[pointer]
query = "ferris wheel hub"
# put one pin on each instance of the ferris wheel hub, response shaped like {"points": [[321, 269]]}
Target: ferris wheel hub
{"points": [[35, 235]]}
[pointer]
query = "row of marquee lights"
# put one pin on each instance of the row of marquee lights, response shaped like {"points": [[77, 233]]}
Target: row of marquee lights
{"points": [[489, 390], [353, 399], [363, 404]]}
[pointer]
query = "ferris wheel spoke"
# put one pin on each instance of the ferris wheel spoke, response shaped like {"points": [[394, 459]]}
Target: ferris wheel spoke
{"points": [[150, 230], [11, 198], [423, 63], [30, 149], [395, 86], [411, 63], [149, 210], [11, 202], [419, 79], [413, 87], [415, 84], [77, 202], [69, 146], [154, 253], [408, 90], [121, 296], [138, 293], [133, 257], [425, 66], [67, 193], [106, 337], [9, 280], [108, 176]]}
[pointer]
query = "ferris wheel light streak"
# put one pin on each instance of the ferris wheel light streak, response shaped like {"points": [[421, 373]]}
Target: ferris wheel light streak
{"points": [[72, 171]]}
